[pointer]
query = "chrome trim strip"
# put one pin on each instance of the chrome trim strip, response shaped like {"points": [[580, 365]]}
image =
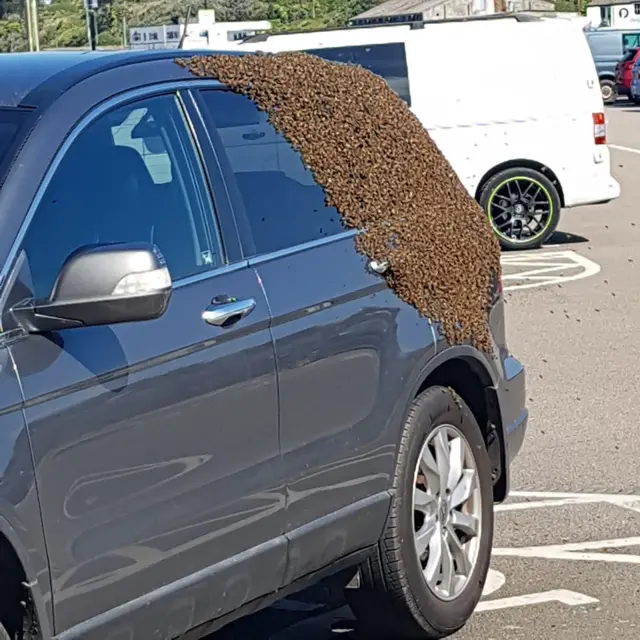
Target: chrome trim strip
{"points": [[116, 101], [312, 244], [205, 275]]}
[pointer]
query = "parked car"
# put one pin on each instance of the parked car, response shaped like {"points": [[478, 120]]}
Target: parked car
{"points": [[624, 72], [520, 154], [634, 91], [608, 47], [207, 398]]}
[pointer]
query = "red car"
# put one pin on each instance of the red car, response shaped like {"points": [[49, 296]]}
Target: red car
{"points": [[623, 72]]}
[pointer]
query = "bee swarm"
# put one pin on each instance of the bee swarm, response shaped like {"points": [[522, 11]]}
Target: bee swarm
{"points": [[384, 174]]}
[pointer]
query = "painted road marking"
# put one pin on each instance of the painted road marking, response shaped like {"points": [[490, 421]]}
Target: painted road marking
{"points": [[621, 148], [577, 551], [526, 271], [495, 580], [580, 551], [570, 598]]}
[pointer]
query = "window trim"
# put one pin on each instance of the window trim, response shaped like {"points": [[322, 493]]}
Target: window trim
{"points": [[108, 105]]}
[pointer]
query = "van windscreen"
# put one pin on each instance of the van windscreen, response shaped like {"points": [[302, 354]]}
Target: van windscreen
{"points": [[387, 60]]}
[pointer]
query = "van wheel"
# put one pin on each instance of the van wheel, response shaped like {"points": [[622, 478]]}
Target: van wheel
{"points": [[523, 207], [608, 90], [429, 569]]}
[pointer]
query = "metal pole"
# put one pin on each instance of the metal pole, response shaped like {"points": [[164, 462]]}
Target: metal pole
{"points": [[88, 20], [29, 21], [94, 26], [36, 29]]}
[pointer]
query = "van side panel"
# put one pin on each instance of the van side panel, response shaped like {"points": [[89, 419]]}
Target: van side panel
{"points": [[485, 106], [492, 108]]}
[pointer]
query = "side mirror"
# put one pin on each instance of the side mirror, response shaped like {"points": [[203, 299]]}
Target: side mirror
{"points": [[99, 285]]}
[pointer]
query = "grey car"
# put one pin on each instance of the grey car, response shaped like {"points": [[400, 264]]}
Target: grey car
{"points": [[608, 48], [207, 399]]}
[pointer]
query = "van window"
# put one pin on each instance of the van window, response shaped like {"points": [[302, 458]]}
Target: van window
{"points": [[386, 60], [630, 41], [630, 55]]}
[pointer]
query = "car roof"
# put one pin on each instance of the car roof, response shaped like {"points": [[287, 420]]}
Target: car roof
{"points": [[34, 79]]}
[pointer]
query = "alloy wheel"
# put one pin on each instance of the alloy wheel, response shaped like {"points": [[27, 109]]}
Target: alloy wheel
{"points": [[520, 209], [447, 509]]}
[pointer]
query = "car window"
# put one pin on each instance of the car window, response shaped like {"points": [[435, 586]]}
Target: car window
{"points": [[387, 60], [283, 203], [11, 120], [8, 131], [630, 41], [133, 175]]}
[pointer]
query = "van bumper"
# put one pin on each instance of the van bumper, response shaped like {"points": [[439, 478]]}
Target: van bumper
{"points": [[597, 191]]}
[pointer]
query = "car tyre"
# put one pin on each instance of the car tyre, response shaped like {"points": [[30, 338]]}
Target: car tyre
{"points": [[394, 598], [516, 180], [608, 90]]}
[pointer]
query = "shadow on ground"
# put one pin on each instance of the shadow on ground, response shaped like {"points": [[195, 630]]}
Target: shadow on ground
{"points": [[318, 613], [563, 237]]}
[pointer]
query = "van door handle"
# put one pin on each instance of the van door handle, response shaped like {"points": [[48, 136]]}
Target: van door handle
{"points": [[225, 311]]}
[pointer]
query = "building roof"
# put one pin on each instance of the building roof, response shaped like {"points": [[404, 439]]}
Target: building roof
{"points": [[398, 7], [607, 3]]}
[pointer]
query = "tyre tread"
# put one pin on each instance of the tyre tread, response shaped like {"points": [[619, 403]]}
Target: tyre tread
{"points": [[397, 614]]}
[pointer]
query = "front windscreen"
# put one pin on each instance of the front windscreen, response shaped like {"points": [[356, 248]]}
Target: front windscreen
{"points": [[11, 125]]}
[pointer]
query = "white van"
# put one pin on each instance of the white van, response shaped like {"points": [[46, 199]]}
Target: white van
{"points": [[514, 104]]}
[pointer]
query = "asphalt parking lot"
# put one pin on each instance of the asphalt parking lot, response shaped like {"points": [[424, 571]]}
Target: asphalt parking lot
{"points": [[567, 548]]}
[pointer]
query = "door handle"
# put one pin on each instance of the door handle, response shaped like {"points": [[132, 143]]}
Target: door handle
{"points": [[226, 311], [378, 267], [254, 135]]}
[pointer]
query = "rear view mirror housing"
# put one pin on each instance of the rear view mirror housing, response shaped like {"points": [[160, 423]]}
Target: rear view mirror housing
{"points": [[101, 285]]}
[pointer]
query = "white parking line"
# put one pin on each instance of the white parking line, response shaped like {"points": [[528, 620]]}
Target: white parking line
{"points": [[621, 148], [545, 268], [564, 596]]}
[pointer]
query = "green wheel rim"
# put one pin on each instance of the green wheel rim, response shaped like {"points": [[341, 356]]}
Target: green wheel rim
{"points": [[520, 209]]}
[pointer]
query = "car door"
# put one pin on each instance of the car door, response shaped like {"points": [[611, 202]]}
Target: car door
{"points": [[342, 354], [155, 443]]}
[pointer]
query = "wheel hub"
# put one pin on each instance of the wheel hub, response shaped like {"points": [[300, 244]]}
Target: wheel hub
{"points": [[443, 511], [520, 209], [447, 508]]}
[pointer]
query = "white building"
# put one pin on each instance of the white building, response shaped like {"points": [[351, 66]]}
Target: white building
{"points": [[442, 9], [206, 33], [620, 14]]}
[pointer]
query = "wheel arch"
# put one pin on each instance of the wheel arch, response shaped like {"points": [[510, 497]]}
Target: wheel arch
{"points": [[466, 371], [14, 561], [518, 163]]}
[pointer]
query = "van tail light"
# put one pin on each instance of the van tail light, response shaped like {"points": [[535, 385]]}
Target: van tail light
{"points": [[599, 129]]}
